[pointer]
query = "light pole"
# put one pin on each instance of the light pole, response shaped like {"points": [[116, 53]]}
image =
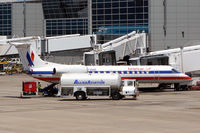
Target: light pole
{"points": [[89, 16], [181, 48], [24, 12]]}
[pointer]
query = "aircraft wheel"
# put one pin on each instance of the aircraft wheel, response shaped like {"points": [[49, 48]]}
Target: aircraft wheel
{"points": [[116, 96], [80, 96]]}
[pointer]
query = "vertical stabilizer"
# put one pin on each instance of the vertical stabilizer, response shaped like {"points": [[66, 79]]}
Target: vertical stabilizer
{"points": [[28, 56]]}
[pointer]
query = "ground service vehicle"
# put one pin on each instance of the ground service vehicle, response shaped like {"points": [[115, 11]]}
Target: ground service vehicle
{"points": [[29, 88], [82, 85]]}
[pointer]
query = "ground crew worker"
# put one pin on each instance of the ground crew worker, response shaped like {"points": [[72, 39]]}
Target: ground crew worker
{"points": [[39, 87]]}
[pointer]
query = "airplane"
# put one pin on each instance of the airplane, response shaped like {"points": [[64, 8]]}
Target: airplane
{"points": [[52, 72]]}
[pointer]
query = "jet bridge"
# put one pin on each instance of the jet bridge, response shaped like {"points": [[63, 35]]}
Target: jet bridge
{"points": [[184, 59], [116, 50]]}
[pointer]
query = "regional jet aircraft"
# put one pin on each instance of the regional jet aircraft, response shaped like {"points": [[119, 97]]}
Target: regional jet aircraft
{"points": [[52, 72]]}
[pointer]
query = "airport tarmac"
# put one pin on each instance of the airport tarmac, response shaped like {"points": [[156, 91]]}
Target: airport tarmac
{"points": [[152, 112]]}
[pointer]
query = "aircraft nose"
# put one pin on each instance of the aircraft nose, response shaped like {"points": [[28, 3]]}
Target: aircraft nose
{"points": [[188, 77]]}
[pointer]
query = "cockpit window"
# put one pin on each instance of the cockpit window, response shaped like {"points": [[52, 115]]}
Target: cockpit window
{"points": [[175, 71]]}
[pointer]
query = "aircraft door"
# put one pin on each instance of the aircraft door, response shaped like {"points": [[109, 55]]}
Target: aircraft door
{"points": [[156, 75]]}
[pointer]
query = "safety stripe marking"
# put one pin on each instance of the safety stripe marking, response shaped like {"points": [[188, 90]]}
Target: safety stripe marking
{"points": [[124, 78], [157, 78], [48, 78], [41, 72], [135, 72], [29, 59]]}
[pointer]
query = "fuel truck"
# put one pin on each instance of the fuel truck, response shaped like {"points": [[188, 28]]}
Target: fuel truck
{"points": [[82, 85]]}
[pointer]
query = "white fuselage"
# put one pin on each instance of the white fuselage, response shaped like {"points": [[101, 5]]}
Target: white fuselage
{"points": [[148, 74], [53, 72]]}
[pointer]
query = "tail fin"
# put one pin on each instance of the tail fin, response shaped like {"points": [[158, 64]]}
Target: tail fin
{"points": [[28, 56]]}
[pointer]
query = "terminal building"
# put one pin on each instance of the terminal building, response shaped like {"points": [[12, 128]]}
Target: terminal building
{"points": [[168, 23]]}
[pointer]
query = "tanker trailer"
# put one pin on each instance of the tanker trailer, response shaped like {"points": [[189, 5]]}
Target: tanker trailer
{"points": [[82, 85]]}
